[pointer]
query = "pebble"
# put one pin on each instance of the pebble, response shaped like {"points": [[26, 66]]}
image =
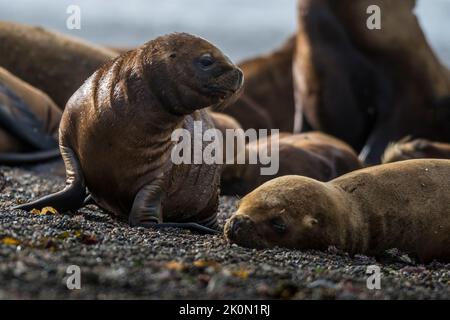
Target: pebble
{"points": [[128, 263]]}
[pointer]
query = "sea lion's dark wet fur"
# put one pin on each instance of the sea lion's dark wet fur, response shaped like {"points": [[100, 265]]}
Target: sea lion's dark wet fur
{"points": [[383, 84], [115, 134]]}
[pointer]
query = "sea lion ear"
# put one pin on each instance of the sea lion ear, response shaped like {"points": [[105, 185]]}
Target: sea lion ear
{"points": [[310, 221]]}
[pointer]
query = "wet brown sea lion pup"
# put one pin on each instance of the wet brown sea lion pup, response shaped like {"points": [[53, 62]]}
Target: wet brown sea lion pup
{"points": [[337, 89], [416, 149], [404, 205], [313, 154], [268, 98], [29, 122], [116, 133], [54, 63]]}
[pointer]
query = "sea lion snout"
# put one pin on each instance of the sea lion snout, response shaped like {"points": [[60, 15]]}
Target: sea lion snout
{"points": [[231, 81], [240, 229]]}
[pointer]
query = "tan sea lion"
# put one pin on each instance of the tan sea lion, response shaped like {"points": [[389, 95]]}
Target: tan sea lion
{"points": [[29, 122], [268, 98], [313, 154], [404, 205], [116, 133], [407, 149], [54, 63]]}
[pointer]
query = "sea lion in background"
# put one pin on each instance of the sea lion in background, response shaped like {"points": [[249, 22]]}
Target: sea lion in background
{"points": [[404, 205], [128, 169], [224, 122], [268, 98], [416, 149], [54, 63], [405, 96], [420, 80], [29, 122], [313, 154], [337, 89]]}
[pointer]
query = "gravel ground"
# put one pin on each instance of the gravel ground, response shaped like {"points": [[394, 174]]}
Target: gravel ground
{"points": [[123, 263]]}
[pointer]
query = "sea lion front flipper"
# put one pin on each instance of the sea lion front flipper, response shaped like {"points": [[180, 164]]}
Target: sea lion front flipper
{"points": [[146, 210], [72, 196], [192, 226]]}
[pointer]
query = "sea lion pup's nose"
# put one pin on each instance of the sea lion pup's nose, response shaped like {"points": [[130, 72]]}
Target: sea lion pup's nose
{"points": [[238, 227]]}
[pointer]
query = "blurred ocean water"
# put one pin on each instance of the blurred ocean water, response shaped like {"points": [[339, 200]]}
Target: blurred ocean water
{"points": [[242, 28]]}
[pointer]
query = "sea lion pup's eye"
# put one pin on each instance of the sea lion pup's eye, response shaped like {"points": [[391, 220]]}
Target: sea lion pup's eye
{"points": [[206, 61], [278, 225]]}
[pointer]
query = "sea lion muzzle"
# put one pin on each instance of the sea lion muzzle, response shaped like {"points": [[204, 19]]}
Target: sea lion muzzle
{"points": [[241, 229]]}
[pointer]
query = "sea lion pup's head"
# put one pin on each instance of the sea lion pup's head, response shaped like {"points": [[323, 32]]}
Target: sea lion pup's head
{"points": [[407, 149], [188, 73], [289, 212]]}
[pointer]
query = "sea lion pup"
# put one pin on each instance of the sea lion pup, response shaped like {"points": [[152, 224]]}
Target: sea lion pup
{"points": [[336, 87], [416, 149], [313, 154], [268, 98], [29, 122], [404, 205], [116, 133], [54, 63]]}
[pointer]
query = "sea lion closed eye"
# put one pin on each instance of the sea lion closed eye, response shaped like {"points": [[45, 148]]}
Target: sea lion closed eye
{"points": [[404, 205]]}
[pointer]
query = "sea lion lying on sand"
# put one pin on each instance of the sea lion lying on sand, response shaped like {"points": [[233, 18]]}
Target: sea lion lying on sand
{"points": [[116, 133], [313, 154], [29, 122], [224, 122], [407, 149], [54, 63], [404, 205]]}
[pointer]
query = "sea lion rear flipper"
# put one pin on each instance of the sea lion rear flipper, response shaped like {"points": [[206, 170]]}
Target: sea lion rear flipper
{"points": [[146, 210], [72, 196]]}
